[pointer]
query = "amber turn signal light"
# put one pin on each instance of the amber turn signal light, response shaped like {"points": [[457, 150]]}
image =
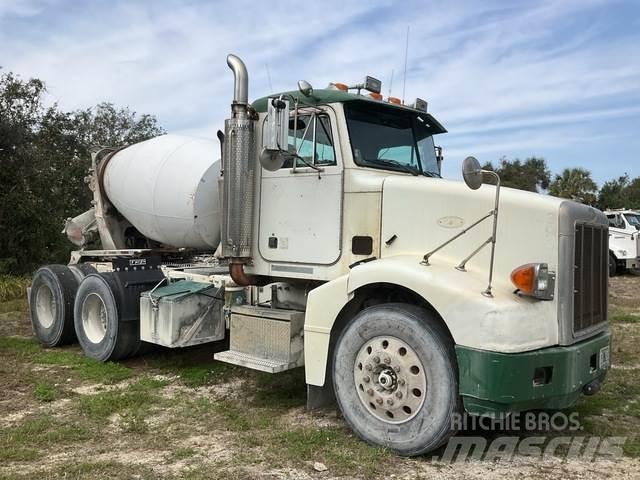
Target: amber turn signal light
{"points": [[523, 278], [535, 280]]}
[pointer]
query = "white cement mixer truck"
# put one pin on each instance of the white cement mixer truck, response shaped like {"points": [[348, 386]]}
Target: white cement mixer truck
{"points": [[325, 238]]}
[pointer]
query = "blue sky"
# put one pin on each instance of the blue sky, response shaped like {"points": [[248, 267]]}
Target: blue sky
{"points": [[558, 79]]}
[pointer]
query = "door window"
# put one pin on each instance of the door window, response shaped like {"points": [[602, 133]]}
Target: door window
{"points": [[312, 139]]}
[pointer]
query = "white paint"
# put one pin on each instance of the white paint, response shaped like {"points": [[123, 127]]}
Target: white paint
{"points": [[303, 211], [412, 208]]}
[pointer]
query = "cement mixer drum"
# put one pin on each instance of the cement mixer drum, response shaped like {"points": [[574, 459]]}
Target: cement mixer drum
{"points": [[167, 187]]}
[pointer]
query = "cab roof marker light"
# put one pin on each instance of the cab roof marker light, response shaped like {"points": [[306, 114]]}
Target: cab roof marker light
{"points": [[338, 86]]}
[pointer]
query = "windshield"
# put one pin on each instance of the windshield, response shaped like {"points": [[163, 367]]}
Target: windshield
{"points": [[391, 139], [633, 219]]}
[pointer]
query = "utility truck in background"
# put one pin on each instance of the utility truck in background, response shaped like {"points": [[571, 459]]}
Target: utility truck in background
{"points": [[624, 241], [325, 238]]}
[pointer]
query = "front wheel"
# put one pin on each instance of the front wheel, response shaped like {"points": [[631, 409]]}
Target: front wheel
{"points": [[613, 267], [395, 378]]}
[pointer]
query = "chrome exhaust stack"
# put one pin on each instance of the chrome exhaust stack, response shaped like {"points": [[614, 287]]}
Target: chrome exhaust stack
{"points": [[241, 84], [239, 177]]}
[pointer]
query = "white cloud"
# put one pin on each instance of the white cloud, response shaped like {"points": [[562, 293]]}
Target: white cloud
{"points": [[502, 77]]}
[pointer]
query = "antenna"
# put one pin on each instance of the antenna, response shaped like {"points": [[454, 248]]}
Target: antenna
{"points": [[391, 82], [406, 53], [266, 65]]}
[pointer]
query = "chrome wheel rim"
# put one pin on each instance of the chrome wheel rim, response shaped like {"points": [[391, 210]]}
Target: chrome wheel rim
{"points": [[45, 306], [94, 318], [390, 379]]}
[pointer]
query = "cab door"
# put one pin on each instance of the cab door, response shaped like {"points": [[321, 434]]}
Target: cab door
{"points": [[301, 203]]}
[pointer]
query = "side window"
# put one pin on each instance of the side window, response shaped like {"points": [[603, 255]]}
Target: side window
{"points": [[616, 221], [325, 153], [404, 154], [313, 141]]}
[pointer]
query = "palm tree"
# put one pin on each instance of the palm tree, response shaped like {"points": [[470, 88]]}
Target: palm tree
{"points": [[576, 184]]}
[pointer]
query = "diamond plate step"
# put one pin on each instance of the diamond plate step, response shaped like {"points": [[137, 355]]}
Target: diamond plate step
{"points": [[255, 363]]}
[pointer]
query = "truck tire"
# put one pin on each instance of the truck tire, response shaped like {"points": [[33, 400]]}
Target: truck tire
{"points": [[53, 291], [395, 378], [613, 267], [81, 270], [101, 333]]}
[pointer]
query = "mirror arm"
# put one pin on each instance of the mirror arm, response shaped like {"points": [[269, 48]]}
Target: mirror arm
{"points": [[488, 292], [295, 142], [463, 264], [425, 260], [295, 125]]}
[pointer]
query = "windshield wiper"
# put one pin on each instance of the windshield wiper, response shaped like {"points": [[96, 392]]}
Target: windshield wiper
{"points": [[431, 174], [394, 163]]}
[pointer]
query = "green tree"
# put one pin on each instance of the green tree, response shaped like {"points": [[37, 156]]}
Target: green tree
{"points": [[575, 184], [611, 194], [631, 194], [531, 175], [44, 157]]}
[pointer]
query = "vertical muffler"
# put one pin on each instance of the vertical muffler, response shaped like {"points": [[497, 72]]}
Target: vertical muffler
{"points": [[239, 177]]}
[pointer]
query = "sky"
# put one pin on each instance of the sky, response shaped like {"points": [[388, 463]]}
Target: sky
{"points": [[515, 79]]}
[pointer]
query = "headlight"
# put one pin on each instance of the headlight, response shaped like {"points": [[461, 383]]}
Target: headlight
{"points": [[535, 280]]}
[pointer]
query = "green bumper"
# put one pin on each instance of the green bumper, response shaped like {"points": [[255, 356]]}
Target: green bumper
{"points": [[493, 383]]}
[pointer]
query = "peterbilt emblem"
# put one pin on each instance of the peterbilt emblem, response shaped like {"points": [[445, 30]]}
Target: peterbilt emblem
{"points": [[450, 222]]}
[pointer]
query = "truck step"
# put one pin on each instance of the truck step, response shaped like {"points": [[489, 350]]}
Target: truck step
{"points": [[265, 339], [255, 363]]}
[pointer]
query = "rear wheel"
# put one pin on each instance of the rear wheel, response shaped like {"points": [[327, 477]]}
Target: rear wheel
{"points": [[81, 270], [395, 378], [53, 290], [101, 333]]}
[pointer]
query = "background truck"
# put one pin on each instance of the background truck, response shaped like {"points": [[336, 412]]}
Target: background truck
{"points": [[326, 238], [624, 241]]}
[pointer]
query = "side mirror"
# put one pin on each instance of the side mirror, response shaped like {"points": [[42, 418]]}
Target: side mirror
{"points": [[472, 173], [277, 130], [305, 88], [275, 139]]}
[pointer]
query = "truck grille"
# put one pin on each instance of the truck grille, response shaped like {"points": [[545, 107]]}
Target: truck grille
{"points": [[590, 276]]}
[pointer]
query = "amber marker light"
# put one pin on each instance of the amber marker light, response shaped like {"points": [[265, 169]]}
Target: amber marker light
{"points": [[341, 86], [535, 280], [395, 100], [376, 96]]}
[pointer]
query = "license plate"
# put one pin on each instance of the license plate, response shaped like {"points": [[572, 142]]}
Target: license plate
{"points": [[604, 358]]}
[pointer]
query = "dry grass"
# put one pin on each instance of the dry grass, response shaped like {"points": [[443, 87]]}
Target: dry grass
{"points": [[12, 288]]}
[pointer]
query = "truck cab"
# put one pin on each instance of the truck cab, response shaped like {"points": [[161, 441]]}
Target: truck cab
{"points": [[624, 241], [407, 298]]}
